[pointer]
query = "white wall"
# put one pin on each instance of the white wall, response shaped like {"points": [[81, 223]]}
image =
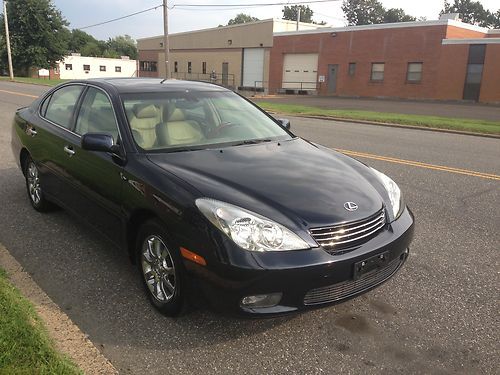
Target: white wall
{"points": [[128, 67]]}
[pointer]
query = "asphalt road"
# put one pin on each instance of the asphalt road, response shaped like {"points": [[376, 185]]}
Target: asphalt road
{"points": [[439, 314], [412, 107]]}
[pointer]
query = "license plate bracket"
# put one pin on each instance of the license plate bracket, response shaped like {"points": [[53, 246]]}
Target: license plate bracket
{"points": [[370, 264]]}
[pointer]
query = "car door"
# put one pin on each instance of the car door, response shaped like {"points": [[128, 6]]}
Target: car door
{"points": [[96, 176], [50, 131]]}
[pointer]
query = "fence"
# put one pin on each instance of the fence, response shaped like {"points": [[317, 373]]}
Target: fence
{"points": [[288, 87], [226, 80]]}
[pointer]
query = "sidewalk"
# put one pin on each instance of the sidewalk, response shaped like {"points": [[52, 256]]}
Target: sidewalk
{"points": [[442, 109]]}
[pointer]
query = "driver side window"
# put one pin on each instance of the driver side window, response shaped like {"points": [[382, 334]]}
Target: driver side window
{"points": [[96, 115]]}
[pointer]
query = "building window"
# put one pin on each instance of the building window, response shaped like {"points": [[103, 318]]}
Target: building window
{"points": [[147, 66], [377, 71], [414, 72], [176, 67], [86, 67], [204, 67], [189, 67], [102, 68], [118, 69], [352, 69], [69, 66]]}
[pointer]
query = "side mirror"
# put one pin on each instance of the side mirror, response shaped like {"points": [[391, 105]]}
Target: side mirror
{"points": [[98, 142], [285, 122]]}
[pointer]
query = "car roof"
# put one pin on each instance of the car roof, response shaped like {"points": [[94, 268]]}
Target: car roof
{"points": [[134, 85]]}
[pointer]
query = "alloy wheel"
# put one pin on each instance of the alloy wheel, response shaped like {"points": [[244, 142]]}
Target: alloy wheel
{"points": [[158, 269], [34, 187]]}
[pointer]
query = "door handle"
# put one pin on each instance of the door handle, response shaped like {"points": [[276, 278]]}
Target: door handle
{"points": [[31, 131], [69, 150]]}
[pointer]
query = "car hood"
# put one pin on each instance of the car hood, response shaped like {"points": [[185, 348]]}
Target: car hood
{"points": [[289, 181]]}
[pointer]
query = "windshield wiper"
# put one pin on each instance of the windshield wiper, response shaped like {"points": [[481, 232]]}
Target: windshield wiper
{"points": [[252, 141]]}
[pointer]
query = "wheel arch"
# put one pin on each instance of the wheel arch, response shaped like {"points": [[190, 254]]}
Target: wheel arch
{"points": [[134, 223], [23, 157]]}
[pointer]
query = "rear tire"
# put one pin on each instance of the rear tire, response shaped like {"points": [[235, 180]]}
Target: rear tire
{"points": [[34, 188], [161, 269]]}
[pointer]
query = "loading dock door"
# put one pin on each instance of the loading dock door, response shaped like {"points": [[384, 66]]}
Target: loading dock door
{"points": [[300, 71], [253, 67]]}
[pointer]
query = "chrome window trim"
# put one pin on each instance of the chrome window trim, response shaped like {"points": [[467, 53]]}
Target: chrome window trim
{"points": [[85, 85], [112, 107], [50, 94]]}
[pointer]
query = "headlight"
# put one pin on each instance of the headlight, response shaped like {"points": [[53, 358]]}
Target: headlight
{"points": [[393, 191], [249, 230]]}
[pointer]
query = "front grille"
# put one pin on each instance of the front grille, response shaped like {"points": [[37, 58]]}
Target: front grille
{"points": [[345, 289], [338, 238]]}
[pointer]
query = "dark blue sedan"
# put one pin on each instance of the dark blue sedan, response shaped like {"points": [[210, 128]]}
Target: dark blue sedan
{"points": [[211, 196]]}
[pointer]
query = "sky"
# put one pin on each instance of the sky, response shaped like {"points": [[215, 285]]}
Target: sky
{"points": [[88, 12]]}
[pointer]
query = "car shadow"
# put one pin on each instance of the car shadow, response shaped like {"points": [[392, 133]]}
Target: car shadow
{"points": [[95, 283]]}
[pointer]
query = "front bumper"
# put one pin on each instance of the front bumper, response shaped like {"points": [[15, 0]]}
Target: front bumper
{"points": [[310, 278]]}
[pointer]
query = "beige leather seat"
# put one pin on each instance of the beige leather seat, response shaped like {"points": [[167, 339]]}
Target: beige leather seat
{"points": [[143, 121], [178, 131]]}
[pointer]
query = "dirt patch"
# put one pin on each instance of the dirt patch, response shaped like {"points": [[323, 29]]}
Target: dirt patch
{"points": [[67, 336]]}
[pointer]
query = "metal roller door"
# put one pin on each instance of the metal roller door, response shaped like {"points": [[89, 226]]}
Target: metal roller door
{"points": [[253, 67], [300, 71]]}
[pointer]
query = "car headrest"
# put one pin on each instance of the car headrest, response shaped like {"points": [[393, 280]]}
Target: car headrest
{"points": [[177, 115], [145, 111]]}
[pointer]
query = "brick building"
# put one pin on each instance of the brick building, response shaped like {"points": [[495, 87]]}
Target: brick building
{"points": [[445, 59], [442, 60]]}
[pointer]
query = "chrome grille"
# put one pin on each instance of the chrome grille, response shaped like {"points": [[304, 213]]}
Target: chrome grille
{"points": [[338, 238], [345, 289]]}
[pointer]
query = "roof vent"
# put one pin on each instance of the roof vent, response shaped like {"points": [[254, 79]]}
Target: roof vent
{"points": [[450, 16]]}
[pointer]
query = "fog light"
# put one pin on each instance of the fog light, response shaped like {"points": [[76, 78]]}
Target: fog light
{"points": [[261, 300]]}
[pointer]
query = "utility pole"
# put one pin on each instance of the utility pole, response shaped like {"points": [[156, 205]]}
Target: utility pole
{"points": [[165, 40], [7, 40], [298, 17]]}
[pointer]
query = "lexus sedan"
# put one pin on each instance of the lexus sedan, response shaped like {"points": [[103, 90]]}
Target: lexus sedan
{"points": [[211, 196]]}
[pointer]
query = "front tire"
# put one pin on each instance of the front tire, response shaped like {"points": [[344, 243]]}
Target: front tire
{"points": [[34, 188], [161, 269]]}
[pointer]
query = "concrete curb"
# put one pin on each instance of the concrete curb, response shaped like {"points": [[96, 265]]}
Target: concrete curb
{"points": [[68, 338], [329, 118]]}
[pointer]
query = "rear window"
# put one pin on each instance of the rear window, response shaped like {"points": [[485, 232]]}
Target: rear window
{"points": [[61, 105]]}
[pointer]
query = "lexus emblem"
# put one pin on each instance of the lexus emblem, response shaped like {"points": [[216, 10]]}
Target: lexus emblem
{"points": [[350, 206]]}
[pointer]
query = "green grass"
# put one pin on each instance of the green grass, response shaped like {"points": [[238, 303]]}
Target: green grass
{"points": [[36, 81], [25, 347], [478, 126]]}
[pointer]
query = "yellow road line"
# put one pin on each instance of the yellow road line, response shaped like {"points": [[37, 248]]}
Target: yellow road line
{"points": [[19, 93], [421, 165]]}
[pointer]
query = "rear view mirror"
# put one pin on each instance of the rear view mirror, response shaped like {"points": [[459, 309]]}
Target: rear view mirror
{"points": [[285, 122], [98, 142]]}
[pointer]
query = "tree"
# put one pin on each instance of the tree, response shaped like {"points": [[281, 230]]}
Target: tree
{"points": [[38, 34], [122, 45], [397, 15], [290, 13], [363, 12], [471, 12], [495, 20], [242, 18], [78, 39]]}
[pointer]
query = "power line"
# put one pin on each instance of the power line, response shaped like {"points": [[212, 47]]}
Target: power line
{"points": [[228, 6], [207, 7], [121, 18]]}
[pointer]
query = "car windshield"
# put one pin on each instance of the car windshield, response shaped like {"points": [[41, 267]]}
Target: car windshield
{"points": [[170, 121]]}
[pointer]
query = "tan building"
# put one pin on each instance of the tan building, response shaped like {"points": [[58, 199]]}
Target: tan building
{"points": [[236, 56]]}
